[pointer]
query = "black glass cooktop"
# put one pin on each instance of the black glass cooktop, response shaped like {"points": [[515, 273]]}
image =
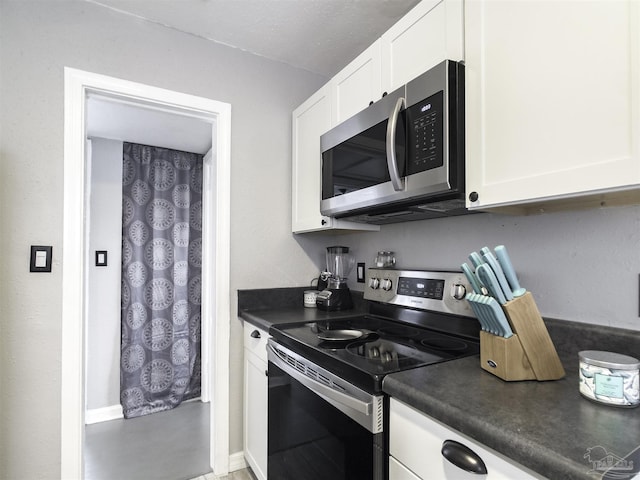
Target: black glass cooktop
{"points": [[364, 349]]}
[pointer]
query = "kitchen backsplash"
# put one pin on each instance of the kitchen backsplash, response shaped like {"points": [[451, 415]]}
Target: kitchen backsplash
{"points": [[581, 266]]}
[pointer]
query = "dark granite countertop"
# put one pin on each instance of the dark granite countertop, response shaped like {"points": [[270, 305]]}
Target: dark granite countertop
{"points": [[546, 426], [274, 306]]}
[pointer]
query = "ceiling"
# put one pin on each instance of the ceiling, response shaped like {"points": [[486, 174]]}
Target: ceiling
{"points": [[320, 36]]}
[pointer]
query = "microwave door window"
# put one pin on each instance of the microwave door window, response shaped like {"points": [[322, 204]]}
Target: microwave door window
{"points": [[361, 161]]}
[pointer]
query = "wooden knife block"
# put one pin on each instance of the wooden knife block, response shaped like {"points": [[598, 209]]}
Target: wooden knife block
{"points": [[529, 354]]}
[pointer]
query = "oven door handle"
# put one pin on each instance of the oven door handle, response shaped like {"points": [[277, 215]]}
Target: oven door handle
{"points": [[330, 395], [392, 164]]}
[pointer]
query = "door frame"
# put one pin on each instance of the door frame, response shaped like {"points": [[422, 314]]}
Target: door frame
{"points": [[216, 308]]}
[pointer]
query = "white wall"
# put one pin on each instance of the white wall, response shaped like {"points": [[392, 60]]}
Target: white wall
{"points": [[40, 38], [581, 266], [103, 299]]}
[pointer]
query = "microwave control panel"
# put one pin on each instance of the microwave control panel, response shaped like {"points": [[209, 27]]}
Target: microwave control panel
{"points": [[425, 126]]}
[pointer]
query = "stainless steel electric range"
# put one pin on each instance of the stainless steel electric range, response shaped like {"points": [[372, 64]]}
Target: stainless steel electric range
{"points": [[328, 415]]}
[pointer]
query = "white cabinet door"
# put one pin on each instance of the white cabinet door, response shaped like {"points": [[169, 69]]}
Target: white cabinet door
{"points": [[552, 99], [255, 400], [358, 84], [431, 32], [309, 121], [415, 441], [397, 471]]}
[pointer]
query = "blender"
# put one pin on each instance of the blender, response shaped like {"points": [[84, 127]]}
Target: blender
{"points": [[337, 296]]}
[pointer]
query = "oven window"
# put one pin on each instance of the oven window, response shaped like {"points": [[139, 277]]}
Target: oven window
{"points": [[309, 439], [361, 161]]}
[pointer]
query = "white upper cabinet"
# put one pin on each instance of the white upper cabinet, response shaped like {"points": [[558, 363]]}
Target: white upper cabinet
{"points": [[431, 32], [309, 121], [552, 101], [357, 85]]}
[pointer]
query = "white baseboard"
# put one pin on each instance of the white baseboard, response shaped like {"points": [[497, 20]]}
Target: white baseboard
{"points": [[104, 414], [237, 461]]}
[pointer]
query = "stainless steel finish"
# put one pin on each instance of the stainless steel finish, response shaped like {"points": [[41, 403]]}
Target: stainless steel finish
{"points": [[392, 165], [423, 184], [362, 407], [454, 282], [367, 118], [458, 291]]}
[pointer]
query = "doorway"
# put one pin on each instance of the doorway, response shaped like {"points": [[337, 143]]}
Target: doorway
{"points": [[79, 86]]}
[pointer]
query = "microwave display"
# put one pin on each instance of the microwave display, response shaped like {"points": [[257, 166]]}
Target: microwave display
{"points": [[426, 127]]}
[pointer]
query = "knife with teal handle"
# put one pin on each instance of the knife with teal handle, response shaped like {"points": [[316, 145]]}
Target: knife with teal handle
{"points": [[499, 317], [509, 272], [488, 278], [497, 270], [485, 317], [476, 259], [471, 277]]}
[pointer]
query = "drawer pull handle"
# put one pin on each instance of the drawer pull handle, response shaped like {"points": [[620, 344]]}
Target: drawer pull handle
{"points": [[463, 457], [255, 334]]}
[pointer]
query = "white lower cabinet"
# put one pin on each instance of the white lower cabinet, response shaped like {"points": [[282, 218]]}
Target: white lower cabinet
{"points": [[415, 444], [255, 399], [397, 471]]}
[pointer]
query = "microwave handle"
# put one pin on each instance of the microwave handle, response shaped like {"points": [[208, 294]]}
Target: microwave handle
{"points": [[392, 165]]}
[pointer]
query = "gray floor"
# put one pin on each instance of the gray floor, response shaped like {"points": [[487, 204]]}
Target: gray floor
{"points": [[244, 474], [171, 445]]}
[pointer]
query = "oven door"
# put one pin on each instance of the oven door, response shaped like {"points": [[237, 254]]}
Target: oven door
{"points": [[319, 426]]}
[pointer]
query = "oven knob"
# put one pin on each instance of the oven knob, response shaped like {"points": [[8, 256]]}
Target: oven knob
{"points": [[386, 284], [374, 283], [458, 291]]}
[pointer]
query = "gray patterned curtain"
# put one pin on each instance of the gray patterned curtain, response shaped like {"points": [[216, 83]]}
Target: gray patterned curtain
{"points": [[161, 278]]}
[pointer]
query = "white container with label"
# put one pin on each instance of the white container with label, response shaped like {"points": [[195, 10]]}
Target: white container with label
{"points": [[310, 298], [609, 378]]}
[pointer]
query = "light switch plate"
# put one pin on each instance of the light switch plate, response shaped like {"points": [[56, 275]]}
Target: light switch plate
{"points": [[40, 258], [101, 258]]}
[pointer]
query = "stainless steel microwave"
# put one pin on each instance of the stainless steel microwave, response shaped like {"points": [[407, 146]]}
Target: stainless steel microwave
{"points": [[402, 158]]}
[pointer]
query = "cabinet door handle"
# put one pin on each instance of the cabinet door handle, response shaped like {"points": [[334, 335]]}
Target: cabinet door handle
{"points": [[463, 457], [255, 334]]}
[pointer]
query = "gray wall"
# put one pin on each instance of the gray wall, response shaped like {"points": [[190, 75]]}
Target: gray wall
{"points": [[38, 40], [103, 299], [580, 266]]}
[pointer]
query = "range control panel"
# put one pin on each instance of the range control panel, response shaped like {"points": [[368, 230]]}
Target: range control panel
{"points": [[439, 291]]}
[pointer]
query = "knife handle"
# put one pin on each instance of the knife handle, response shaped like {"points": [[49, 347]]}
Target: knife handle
{"points": [[476, 259], [509, 272], [495, 266], [475, 284], [490, 281]]}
